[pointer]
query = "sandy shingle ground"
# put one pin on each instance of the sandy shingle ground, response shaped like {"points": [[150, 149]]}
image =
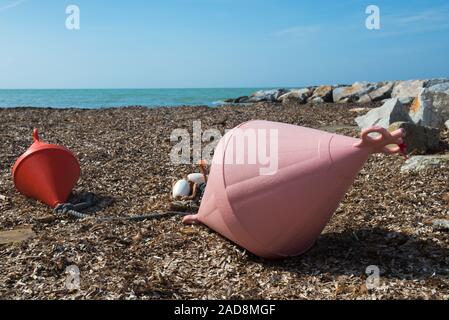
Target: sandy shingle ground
{"points": [[124, 155]]}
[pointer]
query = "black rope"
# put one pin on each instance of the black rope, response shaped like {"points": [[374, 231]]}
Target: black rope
{"points": [[73, 210]]}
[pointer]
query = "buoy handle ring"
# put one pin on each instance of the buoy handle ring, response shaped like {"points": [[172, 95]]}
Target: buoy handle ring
{"points": [[380, 144], [35, 135]]}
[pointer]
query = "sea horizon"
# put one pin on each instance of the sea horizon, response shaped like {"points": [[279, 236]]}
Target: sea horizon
{"points": [[93, 98]]}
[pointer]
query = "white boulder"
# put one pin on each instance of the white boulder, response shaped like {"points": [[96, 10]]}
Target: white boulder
{"points": [[323, 92], [383, 92], [431, 107], [354, 92], [418, 163], [407, 89], [300, 95], [266, 95], [391, 111], [317, 100], [412, 88], [440, 87]]}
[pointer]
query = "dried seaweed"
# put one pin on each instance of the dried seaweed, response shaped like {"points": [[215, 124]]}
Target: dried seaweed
{"points": [[124, 155]]}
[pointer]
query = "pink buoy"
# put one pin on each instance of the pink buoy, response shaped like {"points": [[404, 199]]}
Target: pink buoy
{"points": [[279, 209]]}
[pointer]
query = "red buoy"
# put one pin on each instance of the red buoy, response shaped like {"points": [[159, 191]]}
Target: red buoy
{"points": [[46, 172]]}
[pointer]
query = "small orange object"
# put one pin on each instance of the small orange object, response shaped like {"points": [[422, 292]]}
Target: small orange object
{"points": [[46, 172]]}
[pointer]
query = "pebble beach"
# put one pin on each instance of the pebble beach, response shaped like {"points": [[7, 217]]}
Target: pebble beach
{"points": [[385, 219]]}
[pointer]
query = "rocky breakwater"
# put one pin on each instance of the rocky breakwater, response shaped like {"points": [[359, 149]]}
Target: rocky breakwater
{"points": [[359, 92], [420, 107]]}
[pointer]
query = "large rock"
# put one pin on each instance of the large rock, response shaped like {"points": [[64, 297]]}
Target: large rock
{"points": [[407, 89], [431, 107], [412, 88], [440, 87], [323, 92], [384, 92], [267, 95], [433, 82], [391, 111], [299, 95], [406, 100], [364, 99], [419, 139], [354, 92], [401, 100], [417, 163], [241, 99], [317, 100]]}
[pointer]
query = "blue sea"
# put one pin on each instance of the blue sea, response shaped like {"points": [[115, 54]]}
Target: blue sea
{"points": [[106, 98]]}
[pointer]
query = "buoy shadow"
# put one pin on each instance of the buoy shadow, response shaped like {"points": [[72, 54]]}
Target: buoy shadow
{"points": [[351, 252]]}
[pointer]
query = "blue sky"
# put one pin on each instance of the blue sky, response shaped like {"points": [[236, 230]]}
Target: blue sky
{"points": [[219, 43]]}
